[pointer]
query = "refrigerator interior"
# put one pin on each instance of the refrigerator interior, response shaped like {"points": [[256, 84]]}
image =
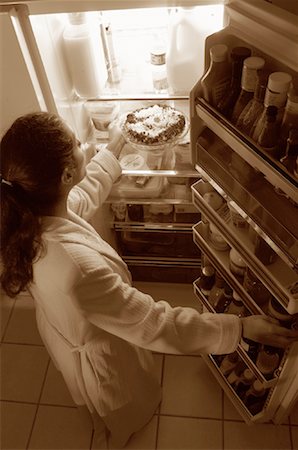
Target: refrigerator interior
{"points": [[159, 246]]}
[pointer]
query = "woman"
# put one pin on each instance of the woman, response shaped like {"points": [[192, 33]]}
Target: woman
{"points": [[98, 329]]}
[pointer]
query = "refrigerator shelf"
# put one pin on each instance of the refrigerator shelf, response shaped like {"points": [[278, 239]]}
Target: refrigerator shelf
{"points": [[240, 350], [277, 277], [237, 402], [247, 149], [271, 214]]}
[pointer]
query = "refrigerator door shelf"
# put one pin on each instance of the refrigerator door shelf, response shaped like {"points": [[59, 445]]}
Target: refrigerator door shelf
{"points": [[240, 350], [261, 417], [247, 149], [277, 277]]}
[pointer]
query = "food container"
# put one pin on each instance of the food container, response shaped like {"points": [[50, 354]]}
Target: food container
{"points": [[237, 220], [102, 114], [216, 239]]}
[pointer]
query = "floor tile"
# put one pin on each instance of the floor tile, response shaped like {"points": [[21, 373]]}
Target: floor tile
{"points": [[23, 372], [158, 358], [175, 294], [186, 433], [16, 416], [145, 438], [59, 428], [294, 431], [22, 326], [189, 388], [6, 305], [256, 437], [230, 412], [55, 391]]}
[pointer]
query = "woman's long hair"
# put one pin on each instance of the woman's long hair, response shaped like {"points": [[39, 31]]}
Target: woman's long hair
{"points": [[34, 152]]}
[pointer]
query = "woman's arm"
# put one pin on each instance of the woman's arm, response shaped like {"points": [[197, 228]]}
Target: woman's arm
{"points": [[101, 172]]}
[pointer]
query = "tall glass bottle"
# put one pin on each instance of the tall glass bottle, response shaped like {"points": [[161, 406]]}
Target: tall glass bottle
{"points": [[290, 158], [276, 95], [255, 106], [268, 137], [217, 78], [290, 119], [226, 104], [251, 66]]}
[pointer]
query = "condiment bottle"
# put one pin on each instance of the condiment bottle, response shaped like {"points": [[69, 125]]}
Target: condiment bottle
{"points": [[206, 280], [224, 299], [289, 160], [255, 397], [244, 383], [251, 66], [268, 137], [276, 95], [216, 290], [228, 364], [255, 106], [237, 265], [290, 119], [255, 288], [217, 78], [236, 306], [226, 104], [158, 67]]}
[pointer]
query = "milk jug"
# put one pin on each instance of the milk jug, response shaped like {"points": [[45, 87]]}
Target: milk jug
{"points": [[85, 56], [185, 55]]}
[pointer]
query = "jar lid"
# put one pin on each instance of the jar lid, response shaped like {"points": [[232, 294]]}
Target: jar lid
{"points": [[237, 297], [240, 53], [248, 375], [208, 271], [236, 258], [279, 81], [219, 52], [254, 62], [258, 386]]}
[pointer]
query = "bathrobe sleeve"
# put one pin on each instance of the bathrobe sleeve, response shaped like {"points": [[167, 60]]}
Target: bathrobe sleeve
{"points": [[101, 172], [120, 309]]}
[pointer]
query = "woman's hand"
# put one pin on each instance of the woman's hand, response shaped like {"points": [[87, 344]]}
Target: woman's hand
{"points": [[117, 141], [267, 330]]}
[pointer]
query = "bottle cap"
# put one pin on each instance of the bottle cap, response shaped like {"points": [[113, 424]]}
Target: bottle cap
{"points": [[254, 62], [236, 258], [279, 81], [237, 297], [258, 386], [240, 53], [219, 52], [248, 375], [77, 18], [208, 271]]}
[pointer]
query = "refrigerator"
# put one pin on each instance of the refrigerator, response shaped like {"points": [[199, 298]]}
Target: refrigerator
{"points": [[158, 217]]}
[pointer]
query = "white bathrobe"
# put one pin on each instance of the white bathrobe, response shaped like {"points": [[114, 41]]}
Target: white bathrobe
{"points": [[98, 329]]}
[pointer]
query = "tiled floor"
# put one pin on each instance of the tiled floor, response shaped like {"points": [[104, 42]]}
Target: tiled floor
{"points": [[38, 413]]}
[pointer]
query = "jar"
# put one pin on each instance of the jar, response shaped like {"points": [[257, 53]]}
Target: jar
{"points": [[119, 210], [278, 312], [216, 239], [253, 286], [236, 306], [161, 213], [237, 265]]}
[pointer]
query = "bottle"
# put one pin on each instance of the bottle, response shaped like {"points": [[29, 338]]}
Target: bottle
{"points": [[158, 66], [251, 347], [217, 78], [206, 280], [226, 104], [276, 95], [289, 160], [216, 290], [290, 118], [254, 107], [224, 299], [251, 66], [85, 56], [236, 306], [267, 361], [237, 265], [268, 137], [229, 363], [255, 397], [244, 383], [255, 288], [264, 252]]}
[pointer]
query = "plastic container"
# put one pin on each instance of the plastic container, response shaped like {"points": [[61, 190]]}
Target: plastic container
{"points": [[237, 220], [216, 239], [85, 56], [102, 114], [185, 55]]}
